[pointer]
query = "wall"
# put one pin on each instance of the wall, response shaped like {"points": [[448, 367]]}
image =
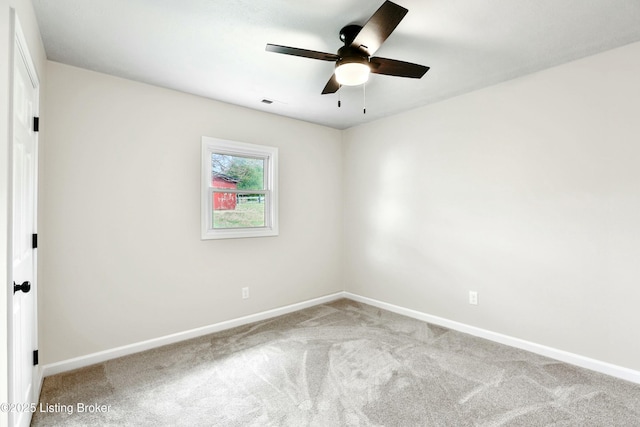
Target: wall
{"points": [[527, 192], [121, 249], [26, 16]]}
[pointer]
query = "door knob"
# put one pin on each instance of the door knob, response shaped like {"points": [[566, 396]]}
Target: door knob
{"points": [[24, 287]]}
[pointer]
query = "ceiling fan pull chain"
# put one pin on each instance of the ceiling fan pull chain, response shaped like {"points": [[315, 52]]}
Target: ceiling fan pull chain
{"points": [[364, 98], [339, 103]]}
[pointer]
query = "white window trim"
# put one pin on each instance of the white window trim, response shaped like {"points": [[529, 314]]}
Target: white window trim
{"points": [[243, 149]]}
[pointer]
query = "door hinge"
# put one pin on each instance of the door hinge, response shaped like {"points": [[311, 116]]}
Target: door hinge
{"points": [[36, 124], [35, 357], [34, 241]]}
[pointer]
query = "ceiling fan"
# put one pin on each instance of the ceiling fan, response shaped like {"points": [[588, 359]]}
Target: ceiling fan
{"points": [[353, 61]]}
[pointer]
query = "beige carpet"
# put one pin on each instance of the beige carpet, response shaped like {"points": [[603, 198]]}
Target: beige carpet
{"points": [[337, 364]]}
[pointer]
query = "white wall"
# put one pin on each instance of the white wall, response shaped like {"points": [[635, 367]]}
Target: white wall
{"points": [[527, 192], [26, 16], [122, 259]]}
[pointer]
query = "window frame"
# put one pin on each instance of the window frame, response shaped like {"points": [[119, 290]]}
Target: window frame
{"points": [[212, 146]]}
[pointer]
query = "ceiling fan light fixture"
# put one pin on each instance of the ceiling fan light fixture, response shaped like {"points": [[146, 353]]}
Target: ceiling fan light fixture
{"points": [[352, 71]]}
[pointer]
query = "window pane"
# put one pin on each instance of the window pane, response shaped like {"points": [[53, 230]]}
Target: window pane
{"points": [[232, 210], [236, 172]]}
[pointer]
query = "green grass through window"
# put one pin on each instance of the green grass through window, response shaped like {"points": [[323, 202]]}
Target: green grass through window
{"points": [[250, 214]]}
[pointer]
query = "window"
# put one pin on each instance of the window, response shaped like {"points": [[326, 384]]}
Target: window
{"points": [[239, 189]]}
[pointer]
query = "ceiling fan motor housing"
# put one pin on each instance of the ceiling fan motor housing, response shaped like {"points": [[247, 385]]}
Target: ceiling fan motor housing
{"points": [[349, 54]]}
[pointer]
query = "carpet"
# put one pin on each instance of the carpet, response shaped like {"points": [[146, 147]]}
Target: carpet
{"points": [[338, 364]]}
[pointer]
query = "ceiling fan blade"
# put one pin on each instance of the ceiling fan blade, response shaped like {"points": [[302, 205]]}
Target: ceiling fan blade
{"points": [[332, 85], [305, 53], [393, 67], [379, 27]]}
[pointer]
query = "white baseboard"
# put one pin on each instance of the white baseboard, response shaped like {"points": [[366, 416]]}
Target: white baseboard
{"points": [[38, 380], [103, 356], [553, 353], [561, 355]]}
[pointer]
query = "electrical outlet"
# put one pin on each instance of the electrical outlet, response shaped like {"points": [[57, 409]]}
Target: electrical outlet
{"points": [[245, 293], [473, 297]]}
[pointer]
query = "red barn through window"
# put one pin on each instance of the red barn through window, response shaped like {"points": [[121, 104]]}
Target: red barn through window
{"points": [[224, 201]]}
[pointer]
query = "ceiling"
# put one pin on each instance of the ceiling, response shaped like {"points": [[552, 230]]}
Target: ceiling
{"points": [[216, 48]]}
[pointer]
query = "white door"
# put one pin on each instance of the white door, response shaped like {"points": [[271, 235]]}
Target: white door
{"points": [[24, 177]]}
